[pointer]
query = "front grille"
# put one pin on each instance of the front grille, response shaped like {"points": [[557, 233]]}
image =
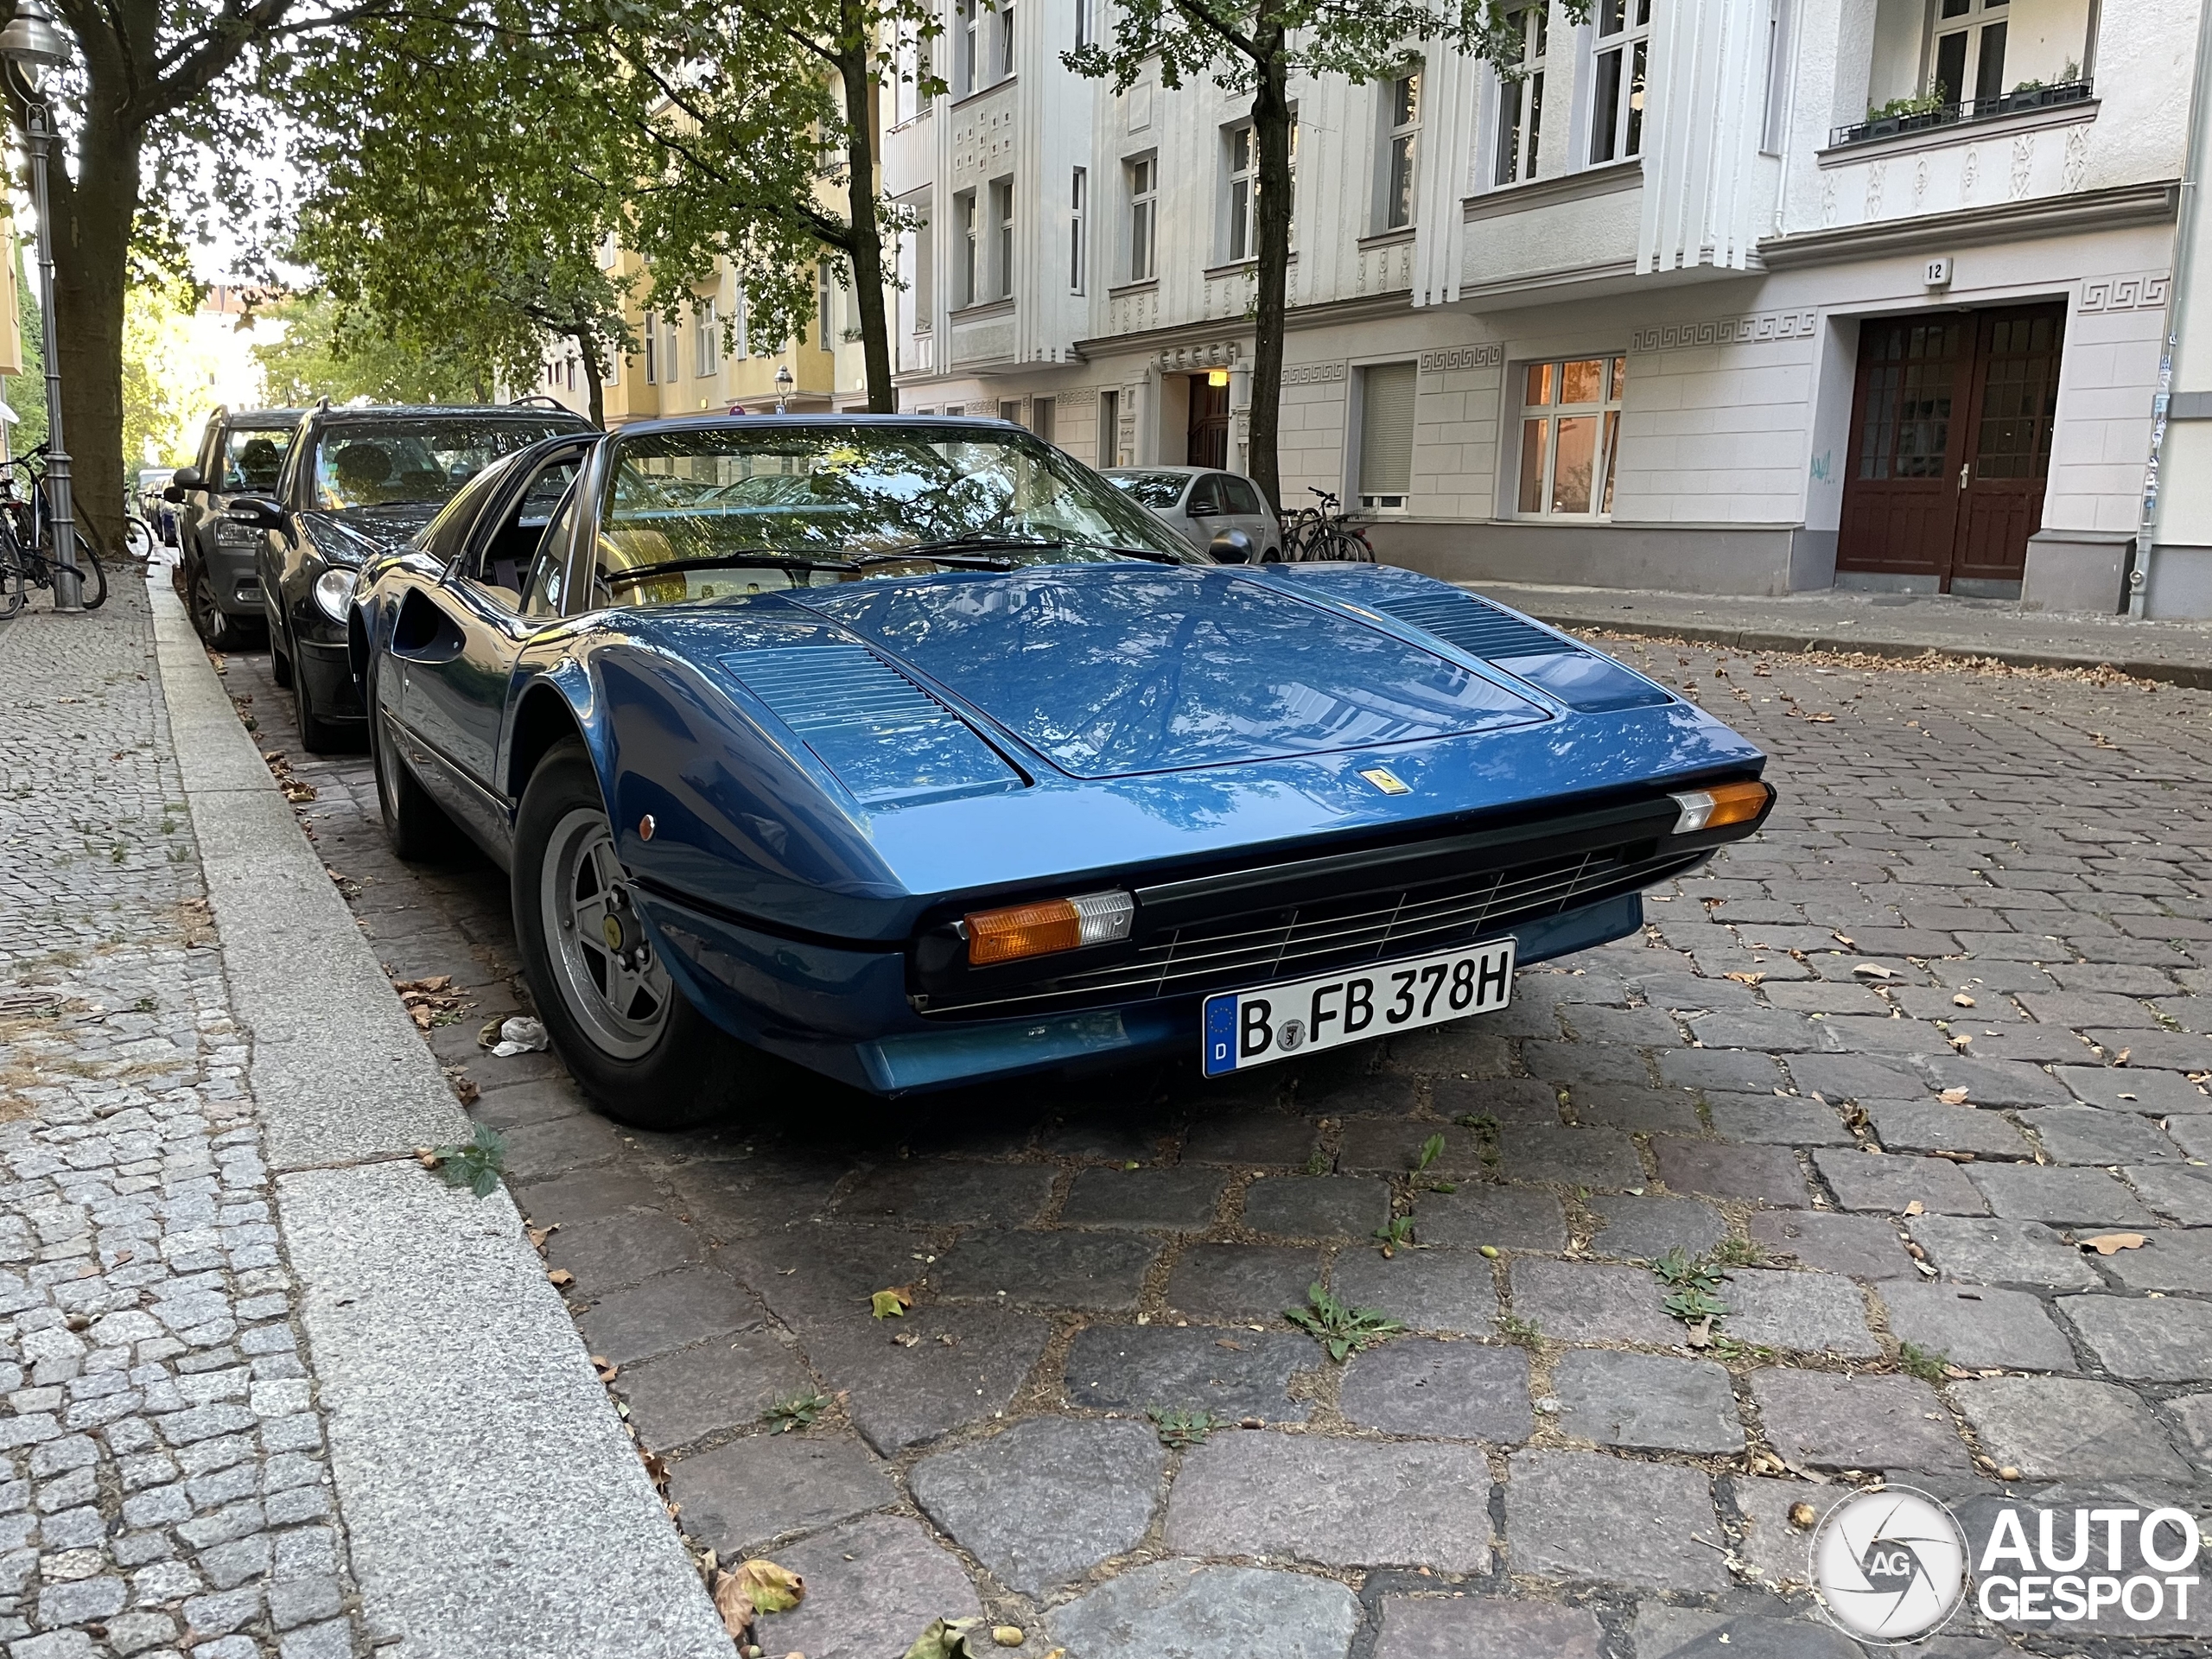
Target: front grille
{"points": [[1258, 946]]}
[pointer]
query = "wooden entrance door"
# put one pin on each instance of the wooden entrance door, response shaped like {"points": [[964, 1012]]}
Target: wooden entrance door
{"points": [[1951, 428], [1208, 443]]}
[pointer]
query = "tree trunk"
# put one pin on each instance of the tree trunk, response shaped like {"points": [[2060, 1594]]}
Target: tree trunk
{"points": [[1271, 123], [581, 333], [94, 214], [864, 254]]}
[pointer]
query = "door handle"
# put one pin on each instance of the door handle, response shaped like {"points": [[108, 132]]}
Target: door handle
{"points": [[1962, 475]]}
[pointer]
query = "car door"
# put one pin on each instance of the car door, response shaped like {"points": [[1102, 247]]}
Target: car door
{"points": [[1205, 509], [455, 642], [1249, 512]]}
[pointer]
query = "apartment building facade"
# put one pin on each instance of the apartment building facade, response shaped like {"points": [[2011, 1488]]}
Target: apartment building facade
{"points": [[1725, 295]]}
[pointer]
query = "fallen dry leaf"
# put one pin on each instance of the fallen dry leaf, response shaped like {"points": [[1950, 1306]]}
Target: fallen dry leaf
{"points": [[1745, 979], [1802, 1514], [540, 1234], [2120, 1058], [1874, 971], [656, 1471], [730, 1602], [770, 1588], [1953, 1096], [1916, 1208], [1962, 1000], [560, 1278], [2106, 1244], [892, 1304], [1843, 939], [604, 1366], [1008, 1636]]}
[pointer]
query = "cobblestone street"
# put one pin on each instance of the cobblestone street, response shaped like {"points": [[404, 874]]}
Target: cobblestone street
{"points": [[166, 1487], [1882, 1068]]}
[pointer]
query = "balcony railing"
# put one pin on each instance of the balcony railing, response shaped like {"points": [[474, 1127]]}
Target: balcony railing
{"points": [[1951, 115]]}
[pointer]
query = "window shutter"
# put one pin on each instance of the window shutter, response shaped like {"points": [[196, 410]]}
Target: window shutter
{"points": [[1386, 429]]}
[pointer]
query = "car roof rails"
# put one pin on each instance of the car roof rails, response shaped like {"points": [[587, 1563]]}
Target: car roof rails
{"points": [[536, 398]]}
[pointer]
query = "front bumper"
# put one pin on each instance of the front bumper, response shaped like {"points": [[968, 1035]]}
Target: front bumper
{"points": [[329, 675], [237, 582], [847, 1014]]}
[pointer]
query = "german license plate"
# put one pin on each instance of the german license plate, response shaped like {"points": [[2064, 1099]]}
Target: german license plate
{"points": [[1248, 1028]]}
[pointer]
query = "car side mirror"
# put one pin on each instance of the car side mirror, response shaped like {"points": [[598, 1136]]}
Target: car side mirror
{"points": [[172, 493], [256, 512], [1231, 547], [185, 478]]}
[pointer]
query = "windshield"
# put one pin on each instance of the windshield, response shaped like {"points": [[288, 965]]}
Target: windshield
{"points": [[740, 509], [251, 457], [1159, 491], [376, 463]]}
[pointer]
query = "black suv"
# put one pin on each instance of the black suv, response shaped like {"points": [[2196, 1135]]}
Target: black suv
{"points": [[359, 481], [241, 453]]}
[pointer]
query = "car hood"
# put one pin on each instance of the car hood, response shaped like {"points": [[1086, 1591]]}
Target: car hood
{"points": [[356, 535], [1113, 670]]}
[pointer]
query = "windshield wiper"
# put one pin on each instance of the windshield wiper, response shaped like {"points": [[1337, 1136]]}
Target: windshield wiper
{"points": [[966, 560], [961, 551], [726, 560]]}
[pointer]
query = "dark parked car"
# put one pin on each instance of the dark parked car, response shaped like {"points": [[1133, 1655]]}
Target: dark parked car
{"points": [[914, 752], [358, 482], [241, 453]]}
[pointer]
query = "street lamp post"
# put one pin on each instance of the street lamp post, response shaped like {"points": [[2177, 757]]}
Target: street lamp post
{"points": [[784, 384], [30, 43]]}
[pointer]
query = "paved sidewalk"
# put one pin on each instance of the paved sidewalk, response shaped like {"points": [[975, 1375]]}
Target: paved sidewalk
{"points": [[166, 1484], [1888, 624], [1542, 1465]]}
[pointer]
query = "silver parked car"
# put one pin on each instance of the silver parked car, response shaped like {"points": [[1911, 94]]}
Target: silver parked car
{"points": [[1200, 502]]}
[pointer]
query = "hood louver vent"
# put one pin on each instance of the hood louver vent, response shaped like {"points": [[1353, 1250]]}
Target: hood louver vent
{"points": [[1475, 625], [888, 740], [1583, 680]]}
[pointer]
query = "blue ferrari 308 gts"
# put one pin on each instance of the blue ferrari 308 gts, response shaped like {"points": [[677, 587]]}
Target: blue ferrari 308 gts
{"points": [[912, 750]]}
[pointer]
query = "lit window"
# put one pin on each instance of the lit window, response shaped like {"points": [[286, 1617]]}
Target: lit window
{"points": [[1520, 99], [1144, 187], [1570, 431], [1616, 112], [1402, 111]]}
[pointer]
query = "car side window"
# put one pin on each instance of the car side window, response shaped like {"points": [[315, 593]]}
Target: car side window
{"points": [[1242, 498], [505, 559], [1205, 498], [549, 570]]}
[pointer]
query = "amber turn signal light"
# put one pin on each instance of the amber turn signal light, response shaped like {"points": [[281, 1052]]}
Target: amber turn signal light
{"points": [[1723, 803], [1046, 926]]}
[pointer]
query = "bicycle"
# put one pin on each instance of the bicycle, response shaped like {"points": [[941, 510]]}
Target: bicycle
{"points": [[26, 541], [1315, 534]]}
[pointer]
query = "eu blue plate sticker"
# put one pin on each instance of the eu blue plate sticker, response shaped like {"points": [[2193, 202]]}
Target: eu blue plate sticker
{"points": [[1221, 1034]]}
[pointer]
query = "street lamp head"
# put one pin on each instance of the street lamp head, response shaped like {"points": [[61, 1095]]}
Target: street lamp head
{"points": [[783, 380], [33, 39]]}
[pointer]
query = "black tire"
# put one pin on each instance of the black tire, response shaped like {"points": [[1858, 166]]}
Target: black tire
{"points": [[280, 660], [651, 1066], [417, 826], [317, 736], [11, 589], [218, 630]]}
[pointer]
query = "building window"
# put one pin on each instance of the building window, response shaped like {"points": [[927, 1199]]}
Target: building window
{"points": [[1010, 410], [1110, 428], [706, 337], [971, 248], [1616, 114], [1969, 58], [1778, 77], [1083, 26], [1078, 189], [1520, 99], [613, 375], [1002, 243], [1002, 55], [925, 274], [1402, 113], [967, 38], [956, 411], [650, 329], [825, 321], [668, 363], [1144, 200], [1386, 436], [1243, 192], [1044, 416], [1570, 429]]}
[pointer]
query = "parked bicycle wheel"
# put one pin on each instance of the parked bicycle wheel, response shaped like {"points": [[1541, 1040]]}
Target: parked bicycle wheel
{"points": [[137, 537], [12, 585]]}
